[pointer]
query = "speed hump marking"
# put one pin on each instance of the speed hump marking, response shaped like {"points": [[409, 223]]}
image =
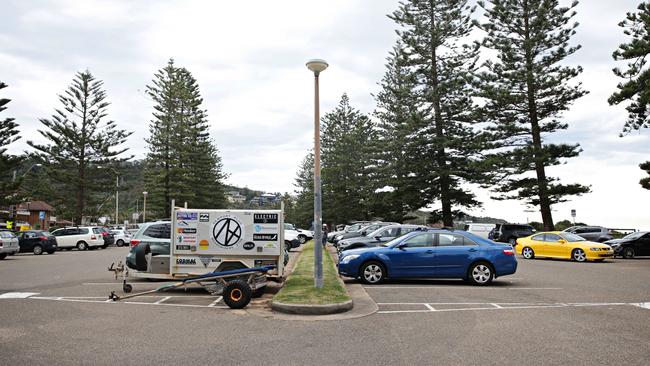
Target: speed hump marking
{"points": [[227, 231]]}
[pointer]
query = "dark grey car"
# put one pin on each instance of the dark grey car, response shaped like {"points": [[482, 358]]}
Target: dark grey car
{"points": [[379, 236], [365, 230], [592, 233]]}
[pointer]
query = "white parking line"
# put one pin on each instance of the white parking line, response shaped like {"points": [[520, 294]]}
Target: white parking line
{"points": [[496, 306], [162, 300], [101, 300], [17, 295], [215, 302]]}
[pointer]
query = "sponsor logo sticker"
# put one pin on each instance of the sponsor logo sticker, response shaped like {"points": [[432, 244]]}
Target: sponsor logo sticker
{"points": [[248, 245], [186, 230], [205, 260], [265, 237], [265, 218], [227, 231], [182, 247], [191, 239], [186, 261], [204, 244], [187, 216], [259, 228], [204, 217]]}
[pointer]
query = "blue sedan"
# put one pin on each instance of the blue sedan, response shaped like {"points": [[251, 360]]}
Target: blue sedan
{"points": [[436, 253]]}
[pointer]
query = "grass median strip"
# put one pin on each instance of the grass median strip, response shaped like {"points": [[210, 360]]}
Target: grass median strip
{"points": [[299, 287]]}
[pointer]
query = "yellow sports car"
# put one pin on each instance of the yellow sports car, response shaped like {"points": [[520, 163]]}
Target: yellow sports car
{"points": [[560, 244]]}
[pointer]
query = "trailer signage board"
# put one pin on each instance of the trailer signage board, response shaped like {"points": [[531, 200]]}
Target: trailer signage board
{"points": [[205, 238]]}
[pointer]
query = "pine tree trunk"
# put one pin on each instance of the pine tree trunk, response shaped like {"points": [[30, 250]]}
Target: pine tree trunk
{"points": [[441, 156], [544, 203]]}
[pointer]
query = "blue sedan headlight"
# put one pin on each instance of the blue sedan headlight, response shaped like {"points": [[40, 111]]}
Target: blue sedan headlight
{"points": [[348, 258]]}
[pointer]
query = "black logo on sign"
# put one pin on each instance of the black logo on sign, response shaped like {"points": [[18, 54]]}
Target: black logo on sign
{"points": [[227, 232], [266, 218], [204, 217], [265, 237], [248, 245], [188, 230]]}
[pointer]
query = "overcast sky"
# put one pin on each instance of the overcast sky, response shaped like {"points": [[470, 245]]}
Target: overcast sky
{"points": [[249, 57]]}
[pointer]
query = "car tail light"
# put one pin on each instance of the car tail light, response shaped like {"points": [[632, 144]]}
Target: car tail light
{"points": [[93, 237], [509, 251], [43, 238], [134, 242]]}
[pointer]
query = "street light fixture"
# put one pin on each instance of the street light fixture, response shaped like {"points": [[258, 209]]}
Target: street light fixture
{"points": [[317, 66], [144, 207], [37, 165]]}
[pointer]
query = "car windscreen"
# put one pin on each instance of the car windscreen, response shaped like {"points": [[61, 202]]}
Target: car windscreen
{"points": [[354, 227], [633, 236], [6, 235], [394, 241], [572, 237], [376, 232]]}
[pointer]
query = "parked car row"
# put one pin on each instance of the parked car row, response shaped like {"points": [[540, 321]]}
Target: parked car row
{"points": [[420, 252], [79, 237]]}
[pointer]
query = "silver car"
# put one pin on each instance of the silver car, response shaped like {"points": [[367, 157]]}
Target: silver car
{"points": [[8, 244]]}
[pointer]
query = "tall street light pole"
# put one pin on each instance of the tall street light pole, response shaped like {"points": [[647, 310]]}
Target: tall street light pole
{"points": [[317, 66], [144, 207], [117, 197]]}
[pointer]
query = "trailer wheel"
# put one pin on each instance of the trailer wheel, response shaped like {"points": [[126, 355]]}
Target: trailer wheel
{"points": [[237, 294], [141, 252]]}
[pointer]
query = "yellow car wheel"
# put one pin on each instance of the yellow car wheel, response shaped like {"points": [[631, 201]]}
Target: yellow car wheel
{"points": [[579, 255], [528, 253]]}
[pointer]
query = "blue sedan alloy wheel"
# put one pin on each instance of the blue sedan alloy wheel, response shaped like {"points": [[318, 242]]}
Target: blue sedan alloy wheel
{"points": [[480, 274], [372, 273]]}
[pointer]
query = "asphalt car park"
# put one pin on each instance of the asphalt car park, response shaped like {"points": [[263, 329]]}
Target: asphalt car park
{"points": [[548, 312]]}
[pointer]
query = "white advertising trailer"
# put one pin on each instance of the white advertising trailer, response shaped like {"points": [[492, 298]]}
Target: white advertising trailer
{"points": [[229, 252], [204, 241]]}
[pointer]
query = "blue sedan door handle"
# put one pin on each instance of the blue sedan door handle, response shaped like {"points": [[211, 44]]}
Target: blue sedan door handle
{"points": [[430, 251], [472, 250]]}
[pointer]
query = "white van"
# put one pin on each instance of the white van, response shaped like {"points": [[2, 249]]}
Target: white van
{"points": [[481, 230], [82, 238]]}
